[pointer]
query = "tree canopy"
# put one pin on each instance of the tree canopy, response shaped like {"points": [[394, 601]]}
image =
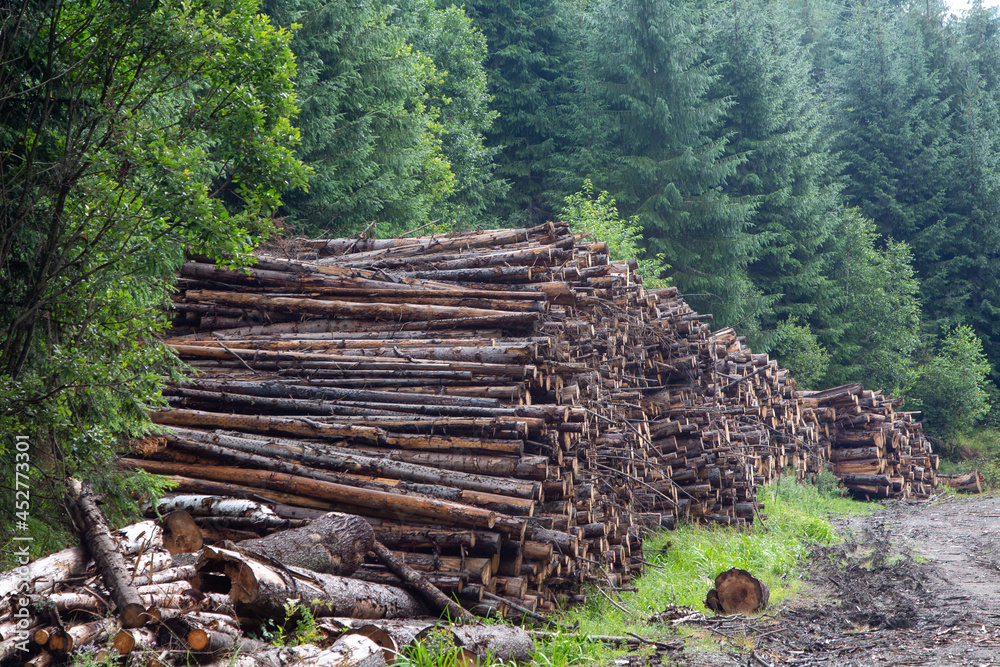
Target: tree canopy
{"points": [[128, 132]]}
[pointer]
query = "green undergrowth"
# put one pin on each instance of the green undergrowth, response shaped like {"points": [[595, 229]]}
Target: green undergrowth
{"points": [[682, 566], [978, 449], [683, 563]]}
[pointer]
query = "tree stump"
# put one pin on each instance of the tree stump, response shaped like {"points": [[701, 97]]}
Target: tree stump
{"points": [[737, 592]]}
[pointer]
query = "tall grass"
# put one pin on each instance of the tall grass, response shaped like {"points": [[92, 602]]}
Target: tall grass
{"points": [[682, 567], [683, 563]]}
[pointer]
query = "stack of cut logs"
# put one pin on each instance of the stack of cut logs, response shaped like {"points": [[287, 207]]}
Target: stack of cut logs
{"points": [[154, 591], [513, 398], [874, 450], [509, 410]]}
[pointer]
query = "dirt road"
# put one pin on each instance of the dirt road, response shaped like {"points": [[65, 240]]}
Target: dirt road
{"points": [[910, 585]]}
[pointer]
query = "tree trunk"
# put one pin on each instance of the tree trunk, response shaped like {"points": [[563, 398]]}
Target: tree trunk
{"points": [[334, 543], [498, 643], [93, 529], [419, 584], [350, 651], [262, 588], [455, 513]]}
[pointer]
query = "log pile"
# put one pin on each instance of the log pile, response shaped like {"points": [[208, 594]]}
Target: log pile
{"points": [[506, 411], [509, 408], [462, 393], [874, 450], [202, 605]]}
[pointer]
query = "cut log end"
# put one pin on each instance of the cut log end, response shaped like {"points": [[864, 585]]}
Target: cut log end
{"points": [[737, 592]]}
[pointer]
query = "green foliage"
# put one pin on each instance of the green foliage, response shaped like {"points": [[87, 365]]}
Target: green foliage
{"points": [[128, 132], [94, 656], [299, 627], [437, 649], [880, 313], [460, 98], [800, 351], [666, 156], [776, 122], [598, 216], [684, 562], [920, 131], [529, 78], [950, 389], [565, 649], [368, 127], [974, 449]]}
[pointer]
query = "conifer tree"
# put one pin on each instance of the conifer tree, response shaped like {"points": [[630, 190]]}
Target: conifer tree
{"points": [[668, 161], [367, 131], [529, 80], [775, 122], [959, 254], [461, 99]]}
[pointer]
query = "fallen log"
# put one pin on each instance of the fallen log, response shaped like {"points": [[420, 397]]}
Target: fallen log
{"points": [[334, 543], [63, 641], [495, 643], [419, 584], [377, 500], [969, 482], [263, 588], [93, 529]]}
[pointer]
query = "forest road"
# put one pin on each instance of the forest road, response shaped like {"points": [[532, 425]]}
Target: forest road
{"points": [[911, 585]]}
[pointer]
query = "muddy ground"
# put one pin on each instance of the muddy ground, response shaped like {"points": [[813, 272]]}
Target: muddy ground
{"points": [[912, 584]]}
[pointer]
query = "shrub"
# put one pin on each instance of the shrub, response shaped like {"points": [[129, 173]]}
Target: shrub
{"points": [[800, 352], [951, 389]]}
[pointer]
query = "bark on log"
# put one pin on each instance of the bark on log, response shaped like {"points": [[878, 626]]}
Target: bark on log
{"points": [[45, 573], [204, 505], [93, 529], [345, 460], [334, 543], [970, 482], [263, 588], [391, 312], [351, 651], [738, 592], [418, 583], [378, 500], [495, 643], [64, 641], [303, 426]]}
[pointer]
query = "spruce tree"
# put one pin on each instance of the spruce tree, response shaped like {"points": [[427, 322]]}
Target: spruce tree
{"points": [[893, 120], [960, 253], [529, 49], [367, 131], [775, 122], [668, 161]]}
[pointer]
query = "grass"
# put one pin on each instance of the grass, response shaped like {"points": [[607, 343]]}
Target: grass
{"points": [[978, 449], [684, 562]]}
